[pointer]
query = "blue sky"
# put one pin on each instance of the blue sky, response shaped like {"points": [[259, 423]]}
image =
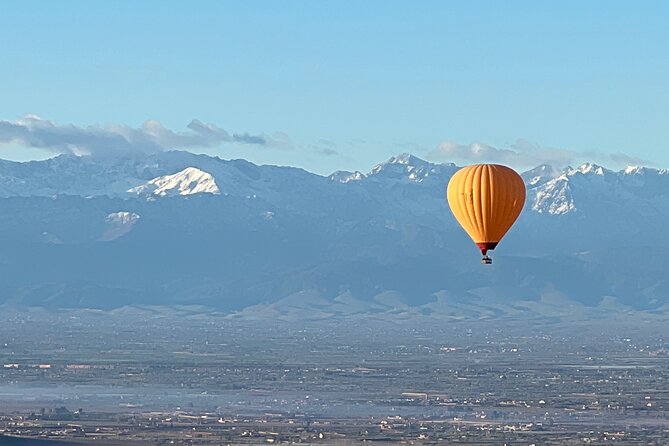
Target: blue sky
{"points": [[332, 85]]}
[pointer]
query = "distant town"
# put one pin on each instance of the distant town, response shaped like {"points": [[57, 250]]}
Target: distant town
{"points": [[92, 377]]}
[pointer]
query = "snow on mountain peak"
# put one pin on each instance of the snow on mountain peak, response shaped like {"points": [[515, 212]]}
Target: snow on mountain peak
{"points": [[540, 175], [588, 168], [557, 193], [343, 176], [554, 197], [189, 181], [406, 158], [631, 170], [408, 167], [641, 170]]}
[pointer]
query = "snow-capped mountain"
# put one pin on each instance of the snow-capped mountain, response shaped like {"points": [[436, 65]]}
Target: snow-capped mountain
{"points": [[343, 176], [189, 181], [587, 186], [407, 167], [80, 231], [540, 175]]}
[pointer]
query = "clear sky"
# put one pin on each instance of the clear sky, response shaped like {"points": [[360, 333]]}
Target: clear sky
{"points": [[331, 85]]}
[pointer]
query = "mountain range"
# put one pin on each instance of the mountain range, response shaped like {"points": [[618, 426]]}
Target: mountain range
{"points": [[176, 228]]}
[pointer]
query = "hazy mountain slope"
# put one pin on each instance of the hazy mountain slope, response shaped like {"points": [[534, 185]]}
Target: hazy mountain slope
{"points": [[72, 235]]}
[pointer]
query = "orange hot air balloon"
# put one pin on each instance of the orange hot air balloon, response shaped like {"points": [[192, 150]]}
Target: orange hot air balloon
{"points": [[486, 199]]}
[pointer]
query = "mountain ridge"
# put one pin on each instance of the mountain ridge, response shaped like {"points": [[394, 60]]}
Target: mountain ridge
{"points": [[71, 235]]}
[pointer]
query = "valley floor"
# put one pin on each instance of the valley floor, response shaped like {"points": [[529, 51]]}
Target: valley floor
{"points": [[171, 376]]}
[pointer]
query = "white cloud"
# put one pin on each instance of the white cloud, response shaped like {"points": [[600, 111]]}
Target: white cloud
{"points": [[152, 136], [524, 154]]}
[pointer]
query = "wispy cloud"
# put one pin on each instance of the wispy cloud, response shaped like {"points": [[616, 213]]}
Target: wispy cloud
{"points": [[325, 147], [628, 160], [524, 154], [328, 152], [152, 136]]}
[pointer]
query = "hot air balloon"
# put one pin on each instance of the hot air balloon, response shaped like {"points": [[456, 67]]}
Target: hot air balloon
{"points": [[486, 199]]}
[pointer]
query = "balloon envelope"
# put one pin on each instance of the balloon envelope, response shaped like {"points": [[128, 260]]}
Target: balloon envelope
{"points": [[486, 199]]}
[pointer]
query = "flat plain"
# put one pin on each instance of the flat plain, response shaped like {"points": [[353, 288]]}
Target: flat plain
{"points": [[159, 375]]}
